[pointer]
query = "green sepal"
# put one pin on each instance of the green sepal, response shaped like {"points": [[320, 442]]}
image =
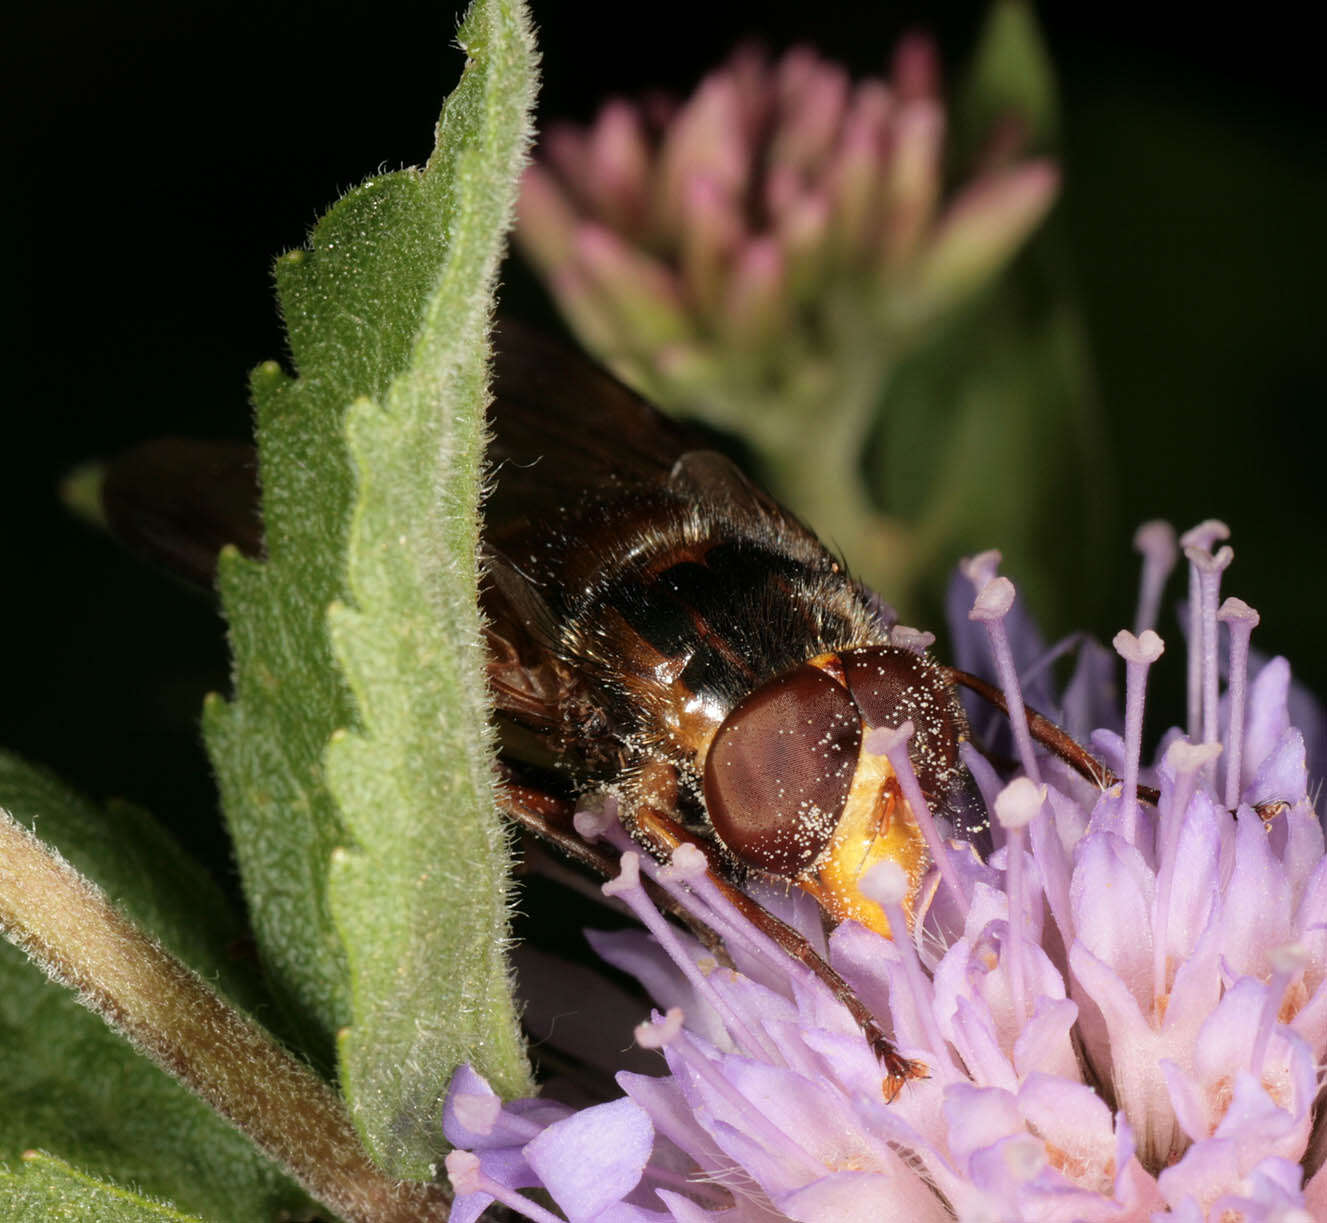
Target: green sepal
{"points": [[1010, 77]]}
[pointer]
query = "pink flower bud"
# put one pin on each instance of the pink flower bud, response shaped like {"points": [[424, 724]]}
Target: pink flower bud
{"points": [[982, 229]]}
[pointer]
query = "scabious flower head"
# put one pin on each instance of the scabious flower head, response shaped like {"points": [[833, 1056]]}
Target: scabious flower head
{"points": [[775, 239], [1121, 1008]]}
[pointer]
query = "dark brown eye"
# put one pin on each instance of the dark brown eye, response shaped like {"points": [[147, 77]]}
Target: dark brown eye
{"points": [[887, 683], [893, 686], [780, 768]]}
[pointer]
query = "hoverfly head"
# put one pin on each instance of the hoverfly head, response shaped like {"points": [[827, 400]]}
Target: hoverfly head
{"points": [[793, 790]]}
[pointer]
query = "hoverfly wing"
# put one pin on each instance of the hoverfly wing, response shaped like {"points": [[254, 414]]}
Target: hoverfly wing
{"points": [[525, 682], [560, 426], [583, 471], [176, 502], [712, 479], [569, 425], [565, 430], [574, 456], [576, 460]]}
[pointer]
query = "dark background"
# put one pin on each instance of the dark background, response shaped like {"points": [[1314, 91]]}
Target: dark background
{"points": [[159, 155]]}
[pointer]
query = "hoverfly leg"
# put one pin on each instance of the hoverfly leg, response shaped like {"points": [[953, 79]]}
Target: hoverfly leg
{"points": [[548, 819], [661, 834], [1051, 737], [1074, 754]]}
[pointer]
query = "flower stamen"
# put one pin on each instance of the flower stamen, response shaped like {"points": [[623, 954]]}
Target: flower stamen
{"points": [[1019, 803], [887, 884], [1139, 653], [1156, 541], [990, 607], [781, 1145], [1201, 537], [468, 1176], [1209, 567], [688, 872], [661, 1030], [627, 887], [883, 741], [1242, 620]]}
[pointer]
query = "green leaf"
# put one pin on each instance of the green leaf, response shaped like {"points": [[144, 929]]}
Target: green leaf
{"points": [[45, 1189], [1010, 77], [353, 301], [267, 744], [72, 1086], [422, 897], [387, 309]]}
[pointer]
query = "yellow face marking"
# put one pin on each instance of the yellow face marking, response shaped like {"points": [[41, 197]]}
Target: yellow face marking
{"points": [[877, 824]]}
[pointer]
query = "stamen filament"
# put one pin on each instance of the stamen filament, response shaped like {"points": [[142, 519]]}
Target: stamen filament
{"points": [[1242, 620], [467, 1176], [1209, 567], [991, 606], [1201, 537], [988, 783], [779, 1142], [627, 887], [1156, 541], [894, 744], [887, 884], [688, 871], [1018, 804], [1139, 653]]}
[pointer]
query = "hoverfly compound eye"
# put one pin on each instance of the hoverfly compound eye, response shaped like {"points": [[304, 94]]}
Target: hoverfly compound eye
{"points": [[780, 768], [892, 686]]}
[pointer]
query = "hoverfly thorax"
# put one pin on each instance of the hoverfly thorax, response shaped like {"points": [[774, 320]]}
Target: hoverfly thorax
{"points": [[793, 790]]}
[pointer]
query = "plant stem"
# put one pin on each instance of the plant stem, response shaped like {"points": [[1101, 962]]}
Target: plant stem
{"points": [[65, 923], [814, 452]]}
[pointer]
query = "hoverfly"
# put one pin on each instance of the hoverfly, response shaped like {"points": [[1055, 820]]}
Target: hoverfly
{"points": [[658, 628]]}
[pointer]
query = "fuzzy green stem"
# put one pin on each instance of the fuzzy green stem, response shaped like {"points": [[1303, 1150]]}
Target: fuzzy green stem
{"points": [[65, 923]]}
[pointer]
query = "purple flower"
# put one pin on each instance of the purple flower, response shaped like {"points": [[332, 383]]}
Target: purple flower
{"points": [[1121, 1011]]}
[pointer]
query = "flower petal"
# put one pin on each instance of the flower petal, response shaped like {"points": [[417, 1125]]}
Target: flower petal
{"points": [[1257, 909], [639, 955], [1111, 894], [1283, 775], [864, 1197], [1267, 719], [594, 1158]]}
